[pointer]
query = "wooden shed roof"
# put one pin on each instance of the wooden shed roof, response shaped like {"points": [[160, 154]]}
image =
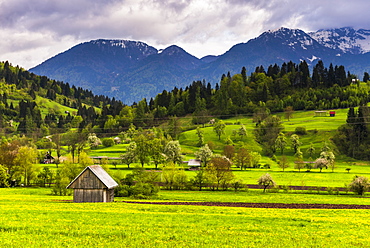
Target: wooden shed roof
{"points": [[194, 162], [101, 174]]}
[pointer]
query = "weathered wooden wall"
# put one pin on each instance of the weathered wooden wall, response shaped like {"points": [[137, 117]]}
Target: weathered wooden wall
{"points": [[89, 195], [88, 181], [110, 195]]}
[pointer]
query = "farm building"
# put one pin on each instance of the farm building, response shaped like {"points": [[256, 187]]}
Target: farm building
{"points": [[93, 184], [320, 113], [193, 163]]}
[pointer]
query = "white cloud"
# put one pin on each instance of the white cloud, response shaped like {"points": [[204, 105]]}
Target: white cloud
{"points": [[33, 31]]}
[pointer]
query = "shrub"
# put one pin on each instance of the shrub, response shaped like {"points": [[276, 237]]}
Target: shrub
{"points": [[285, 188], [310, 189], [108, 142], [330, 190], [274, 189], [266, 166], [138, 191], [144, 190], [360, 185], [257, 166], [300, 131], [237, 184], [336, 189]]}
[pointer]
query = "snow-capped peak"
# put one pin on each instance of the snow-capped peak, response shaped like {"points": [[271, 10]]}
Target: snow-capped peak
{"points": [[346, 40], [294, 38]]}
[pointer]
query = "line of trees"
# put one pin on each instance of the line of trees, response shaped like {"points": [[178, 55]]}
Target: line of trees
{"points": [[352, 138]]}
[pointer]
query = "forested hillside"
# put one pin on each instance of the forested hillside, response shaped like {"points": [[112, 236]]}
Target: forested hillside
{"points": [[37, 106], [265, 90]]}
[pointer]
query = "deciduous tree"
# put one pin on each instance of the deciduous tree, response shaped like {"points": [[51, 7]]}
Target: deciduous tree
{"points": [[283, 163], [229, 151], [142, 150], [174, 176], [243, 158], [288, 112], [173, 151], [204, 154], [295, 143], [219, 128], [242, 131], [4, 177], [266, 180], [321, 163], [281, 142], [157, 151], [219, 172], [266, 133], [93, 140], [130, 156], [200, 136], [25, 162]]}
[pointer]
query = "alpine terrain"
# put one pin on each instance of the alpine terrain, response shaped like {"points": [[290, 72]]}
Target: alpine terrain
{"points": [[132, 70]]}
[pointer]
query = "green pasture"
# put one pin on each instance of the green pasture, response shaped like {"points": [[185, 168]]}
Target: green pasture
{"points": [[31, 218], [48, 106], [319, 130], [310, 121], [113, 151], [257, 196], [322, 128]]}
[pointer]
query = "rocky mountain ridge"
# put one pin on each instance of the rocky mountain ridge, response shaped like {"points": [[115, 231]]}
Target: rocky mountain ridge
{"points": [[132, 70]]}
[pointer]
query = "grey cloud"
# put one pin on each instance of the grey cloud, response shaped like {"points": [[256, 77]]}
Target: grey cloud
{"points": [[165, 22], [50, 15]]}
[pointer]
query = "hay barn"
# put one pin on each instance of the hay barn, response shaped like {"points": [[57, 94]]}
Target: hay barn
{"points": [[93, 184]]}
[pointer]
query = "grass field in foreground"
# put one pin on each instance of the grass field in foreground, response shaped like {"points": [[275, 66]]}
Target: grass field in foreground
{"points": [[30, 218]]}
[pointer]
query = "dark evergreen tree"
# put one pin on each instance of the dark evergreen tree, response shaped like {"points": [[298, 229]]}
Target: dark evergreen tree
{"points": [[366, 77], [244, 75]]}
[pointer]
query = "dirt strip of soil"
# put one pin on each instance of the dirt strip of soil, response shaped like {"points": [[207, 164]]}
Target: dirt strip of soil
{"points": [[261, 205]]}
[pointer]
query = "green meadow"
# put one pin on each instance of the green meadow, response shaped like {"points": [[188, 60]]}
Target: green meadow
{"points": [[32, 218], [319, 131]]}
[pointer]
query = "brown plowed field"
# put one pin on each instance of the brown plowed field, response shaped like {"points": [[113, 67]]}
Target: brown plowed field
{"points": [[261, 205]]}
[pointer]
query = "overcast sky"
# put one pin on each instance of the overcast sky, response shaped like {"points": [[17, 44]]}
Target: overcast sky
{"points": [[32, 31]]}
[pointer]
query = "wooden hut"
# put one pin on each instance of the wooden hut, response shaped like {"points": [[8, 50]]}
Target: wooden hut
{"points": [[194, 164], [320, 113], [93, 184]]}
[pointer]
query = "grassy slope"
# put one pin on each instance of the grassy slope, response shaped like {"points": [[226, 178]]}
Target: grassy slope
{"points": [[320, 129], [48, 106]]}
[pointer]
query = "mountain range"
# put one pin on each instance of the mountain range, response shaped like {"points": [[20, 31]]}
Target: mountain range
{"points": [[132, 70]]}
